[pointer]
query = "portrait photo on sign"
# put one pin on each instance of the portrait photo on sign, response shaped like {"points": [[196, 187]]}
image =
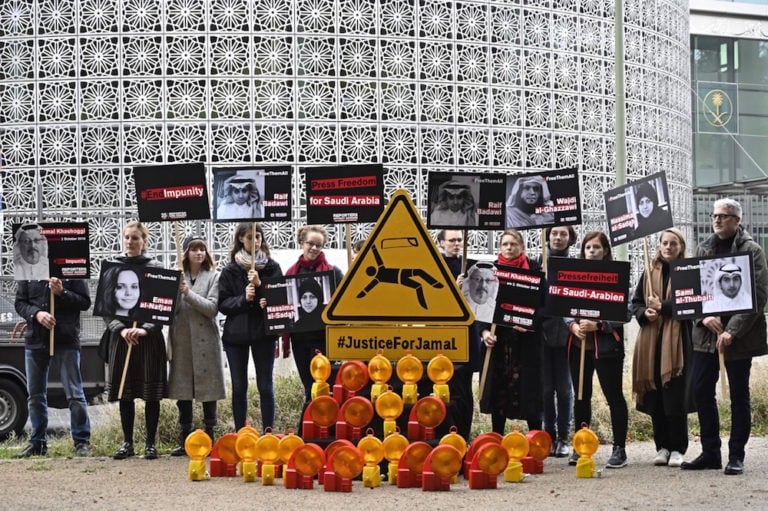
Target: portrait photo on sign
{"points": [[728, 281], [453, 200], [238, 195], [119, 291], [480, 287], [30, 252], [543, 199], [309, 295], [638, 209]]}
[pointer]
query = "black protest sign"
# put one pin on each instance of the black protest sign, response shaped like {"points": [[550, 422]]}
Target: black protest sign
{"points": [[587, 289], [720, 285], [344, 194], [68, 249], [462, 200], [544, 199], [245, 194], [145, 294], [520, 295], [171, 192], [295, 303], [638, 209]]}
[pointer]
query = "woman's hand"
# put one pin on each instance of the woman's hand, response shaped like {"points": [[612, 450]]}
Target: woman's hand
{"points": [[250, 293], [460, 280], [183, 287], [253, 278], [651, 315], [577, 330], [587, 325], [488, 338], [653, 302], [262, 302]]}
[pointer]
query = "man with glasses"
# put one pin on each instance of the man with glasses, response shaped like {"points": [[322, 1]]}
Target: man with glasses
{"points": [[739, 337], [30, 254]]}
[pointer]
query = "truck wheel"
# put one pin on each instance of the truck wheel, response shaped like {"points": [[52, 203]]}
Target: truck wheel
{"points": [[13, 408]]}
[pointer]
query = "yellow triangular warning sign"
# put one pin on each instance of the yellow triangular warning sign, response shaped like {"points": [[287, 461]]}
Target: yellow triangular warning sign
{"points": [[399, 277]]}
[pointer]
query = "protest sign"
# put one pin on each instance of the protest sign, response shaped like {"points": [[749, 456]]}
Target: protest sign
{"points": [[246, 194], [171, 192], [344, 194], [544, 199]]}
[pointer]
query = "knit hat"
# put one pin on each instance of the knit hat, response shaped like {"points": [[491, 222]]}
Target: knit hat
{"points": [[188, 241]]}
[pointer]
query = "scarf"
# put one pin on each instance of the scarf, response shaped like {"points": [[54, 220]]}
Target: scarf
{"points": [[243, 259], [520, 261], [643, 362], [318, 265]]}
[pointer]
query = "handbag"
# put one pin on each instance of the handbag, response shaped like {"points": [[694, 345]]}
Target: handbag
{"points": [[103, 350]]}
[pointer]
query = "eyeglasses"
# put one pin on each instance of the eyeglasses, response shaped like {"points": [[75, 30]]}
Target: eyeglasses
{"points": [[312, 244], [721, 216]]}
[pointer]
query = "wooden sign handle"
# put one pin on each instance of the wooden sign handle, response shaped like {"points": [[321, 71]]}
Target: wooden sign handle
{"points": [[125, 368], [50, 338], [486, 363]]}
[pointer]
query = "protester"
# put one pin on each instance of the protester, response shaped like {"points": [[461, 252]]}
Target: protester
{"points": [[604, 353], [311, 239], [513, 383], [33, 304], [30, 254], [146, 377], [661, 367], [196, 370], [739, 337], [555, 372], [241, 300]]}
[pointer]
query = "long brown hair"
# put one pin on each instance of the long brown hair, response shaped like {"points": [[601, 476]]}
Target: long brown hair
{"points": [[242, 229], [600, 235], [208, 262]]}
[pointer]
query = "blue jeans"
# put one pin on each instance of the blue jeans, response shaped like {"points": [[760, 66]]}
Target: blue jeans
{"points": [[556, 376], [68, 361], [263, 352], [706, 372]]}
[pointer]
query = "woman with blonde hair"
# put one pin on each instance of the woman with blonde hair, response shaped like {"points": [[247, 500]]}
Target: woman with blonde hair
{"points": [[661, 376]]}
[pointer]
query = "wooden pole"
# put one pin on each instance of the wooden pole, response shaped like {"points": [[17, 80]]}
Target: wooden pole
{"points": [[486, 363], [647, 267], [544, 251], [464, 246], [179, 254], [723, 384], [50, 337], [253, 246], [125, 368], [582, 356], [349, 245]]}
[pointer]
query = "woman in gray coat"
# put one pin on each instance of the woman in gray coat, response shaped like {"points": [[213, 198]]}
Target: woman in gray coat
{"points": [[196, 369]]}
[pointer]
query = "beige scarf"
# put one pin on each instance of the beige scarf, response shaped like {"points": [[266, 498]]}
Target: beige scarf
{"points": [[643, 363]]}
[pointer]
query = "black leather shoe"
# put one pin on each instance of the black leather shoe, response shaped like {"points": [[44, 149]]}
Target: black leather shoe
{"points": [[734, 468], [179, 450], [33, 450], [125, 451], [702, 462], [150, 453]]}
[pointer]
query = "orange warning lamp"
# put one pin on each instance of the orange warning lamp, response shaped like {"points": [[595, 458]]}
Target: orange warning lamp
{"points": [[198, 444], [248, 429], [453, 438], [373, 452], [246, 449], [394, 445], [389, 406], [351, 378], [539, 447], [344, 464], [287, 445], [428, 413], [410, 466], [440, 371], [355, 414], [268, 454], [380, 371], [409, 371], [320, 369], [489, 461], [477, 443], [441, 467], [224, 457], [585, 443], [306, 460], [321, 414], [329, 450], [517, 448]]}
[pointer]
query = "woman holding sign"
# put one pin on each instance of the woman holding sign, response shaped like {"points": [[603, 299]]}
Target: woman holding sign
{"points": [[145, 376], [513, 382], [604, 354], [661, 376], [311, 239], [241, 300]]}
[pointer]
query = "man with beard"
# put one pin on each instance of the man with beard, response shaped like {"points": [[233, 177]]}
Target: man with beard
{"points": [[30, 254]]}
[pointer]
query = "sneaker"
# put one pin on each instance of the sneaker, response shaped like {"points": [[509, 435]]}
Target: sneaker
{"points": [[82, 450], [573, 459], [675, 459], [33, 450], [662, 457], [561, 449], [618, 458]]}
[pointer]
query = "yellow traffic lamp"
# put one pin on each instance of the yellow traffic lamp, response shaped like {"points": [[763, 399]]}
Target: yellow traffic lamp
{"points": [[440, 371], [409, 371]]}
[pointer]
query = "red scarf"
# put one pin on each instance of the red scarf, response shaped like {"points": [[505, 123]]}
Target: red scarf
{"points": [[520, 261], [319, 264]]}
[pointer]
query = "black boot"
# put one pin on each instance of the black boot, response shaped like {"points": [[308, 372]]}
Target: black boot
{"points": [[179, 450], [209, 432]]}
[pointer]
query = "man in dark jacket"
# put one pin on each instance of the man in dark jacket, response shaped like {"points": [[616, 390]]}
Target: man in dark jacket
{"points": [[33, 303], [739, 337]]}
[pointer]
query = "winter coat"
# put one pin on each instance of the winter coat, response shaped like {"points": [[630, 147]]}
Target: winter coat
{"points": [[196, 368], [748, 330], [34, 296]]}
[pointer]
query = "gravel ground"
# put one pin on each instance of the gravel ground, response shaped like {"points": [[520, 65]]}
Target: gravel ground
{"points": [[138, 484]]}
